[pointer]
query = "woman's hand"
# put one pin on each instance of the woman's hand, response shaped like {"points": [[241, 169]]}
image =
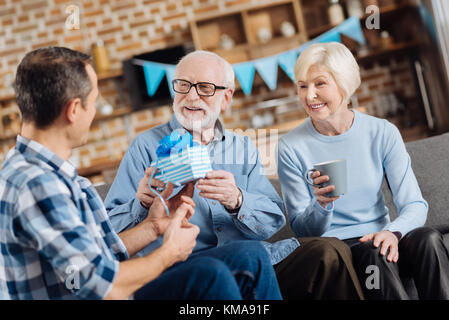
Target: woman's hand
{"points": [[388, 240], [320, 193]]}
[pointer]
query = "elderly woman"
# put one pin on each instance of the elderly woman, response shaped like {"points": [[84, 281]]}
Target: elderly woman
{"points": [[327, 75]]}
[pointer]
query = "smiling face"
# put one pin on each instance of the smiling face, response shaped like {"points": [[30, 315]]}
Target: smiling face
{"points": [[320, 95], [195, 112]]}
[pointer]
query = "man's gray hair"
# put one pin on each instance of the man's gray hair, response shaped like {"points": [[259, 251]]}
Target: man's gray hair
{"points": [[227, 67]]}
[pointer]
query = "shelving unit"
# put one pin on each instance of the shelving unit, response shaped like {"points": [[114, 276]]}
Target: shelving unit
{"points": [[393, 49], [244, 27]]}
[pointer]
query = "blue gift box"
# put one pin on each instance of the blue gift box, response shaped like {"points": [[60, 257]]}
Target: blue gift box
{"points": [[180, 160]]}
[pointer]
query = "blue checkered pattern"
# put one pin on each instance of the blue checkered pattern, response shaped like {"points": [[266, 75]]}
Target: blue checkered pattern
{"points": [[56, 240]]}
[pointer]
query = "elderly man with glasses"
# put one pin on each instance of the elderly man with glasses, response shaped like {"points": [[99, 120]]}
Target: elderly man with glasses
{"points": [[235, 202]]}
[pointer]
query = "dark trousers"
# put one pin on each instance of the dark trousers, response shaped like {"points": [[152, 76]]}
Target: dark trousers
{"points": [[236, 271], [320, 268], [422, 256]]}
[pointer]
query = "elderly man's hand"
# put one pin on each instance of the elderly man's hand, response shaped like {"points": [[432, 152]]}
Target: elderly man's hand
{"points": [[220, 185]]}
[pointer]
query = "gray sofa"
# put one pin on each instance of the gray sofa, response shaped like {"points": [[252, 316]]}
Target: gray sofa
{"points": [[430, 163]]}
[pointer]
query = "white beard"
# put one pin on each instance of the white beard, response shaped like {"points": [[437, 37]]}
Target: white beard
{"points": [[198, 125]]}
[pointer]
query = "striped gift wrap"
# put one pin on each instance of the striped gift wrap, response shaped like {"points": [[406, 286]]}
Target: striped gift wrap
{"points": [[190, 164]]}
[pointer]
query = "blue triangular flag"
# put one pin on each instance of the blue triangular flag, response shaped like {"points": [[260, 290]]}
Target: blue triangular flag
{"points": [[245, 75], [268, 70], [153, 73], [329, 36], [170, 74], [287, 61], [352, 28]]}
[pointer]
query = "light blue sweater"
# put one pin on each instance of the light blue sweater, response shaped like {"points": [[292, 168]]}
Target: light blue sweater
{"points": [[372, 147]]}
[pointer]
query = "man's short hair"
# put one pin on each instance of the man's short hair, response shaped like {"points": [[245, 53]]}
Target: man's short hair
{"points": [[47, 79]]}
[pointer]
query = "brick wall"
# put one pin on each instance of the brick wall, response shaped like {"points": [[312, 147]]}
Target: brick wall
{"points": [[133, 27]]}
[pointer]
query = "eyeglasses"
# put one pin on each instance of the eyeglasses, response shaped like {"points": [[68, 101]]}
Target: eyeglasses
{"points": [[204, 89]]}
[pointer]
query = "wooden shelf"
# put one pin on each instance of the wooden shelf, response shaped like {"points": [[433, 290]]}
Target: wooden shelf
{"points": [[249, 51], [391, 8], [4, 138], [316, 31], [393, 49], [8, 97], [110, 74], [211, 16]]}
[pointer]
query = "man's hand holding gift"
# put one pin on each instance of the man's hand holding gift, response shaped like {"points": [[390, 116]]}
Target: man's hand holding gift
{"points": [[220, 185]]}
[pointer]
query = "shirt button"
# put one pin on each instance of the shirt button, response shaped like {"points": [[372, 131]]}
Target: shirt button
{"points": [[219, 229], [241, 217], [213, 203]]}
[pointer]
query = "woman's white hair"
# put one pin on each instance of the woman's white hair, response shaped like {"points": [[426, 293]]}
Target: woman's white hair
{"points": [[337, 59], [229, 76]]}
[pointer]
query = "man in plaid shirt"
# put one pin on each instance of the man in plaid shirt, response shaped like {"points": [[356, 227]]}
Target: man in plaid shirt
{"points": [[56, 240]]}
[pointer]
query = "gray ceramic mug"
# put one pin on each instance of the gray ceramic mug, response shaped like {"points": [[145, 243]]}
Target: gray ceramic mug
{"points": [[336, 170]]}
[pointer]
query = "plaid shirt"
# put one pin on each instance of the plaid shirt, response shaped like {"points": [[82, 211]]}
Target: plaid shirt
{"points": [[56, 240]]}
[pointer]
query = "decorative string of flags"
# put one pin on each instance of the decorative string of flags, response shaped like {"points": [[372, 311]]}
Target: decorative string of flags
{"points": [[266, 67]]}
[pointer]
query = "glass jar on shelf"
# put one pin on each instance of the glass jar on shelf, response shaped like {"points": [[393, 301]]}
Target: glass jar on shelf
{"points": [[100, 57], [355, 8], [386, 40], [335, 13]]}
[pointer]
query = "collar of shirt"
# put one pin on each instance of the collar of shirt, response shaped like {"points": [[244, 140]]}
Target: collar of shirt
{"points": [[49, 159], [219, 131]]}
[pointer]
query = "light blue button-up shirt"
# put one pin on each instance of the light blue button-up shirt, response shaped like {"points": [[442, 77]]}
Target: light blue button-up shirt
{"points": [[259, 217]]}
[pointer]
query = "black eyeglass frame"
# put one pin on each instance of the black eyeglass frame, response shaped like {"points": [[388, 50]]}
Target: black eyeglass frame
{"points": [[196, 88]]}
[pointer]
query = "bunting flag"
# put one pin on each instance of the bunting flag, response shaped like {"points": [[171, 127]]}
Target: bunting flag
{"points": [[287, 61], [153, 73], [352, 29], [244, 72], [170, 75], [266, 67], [268, 70]]}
